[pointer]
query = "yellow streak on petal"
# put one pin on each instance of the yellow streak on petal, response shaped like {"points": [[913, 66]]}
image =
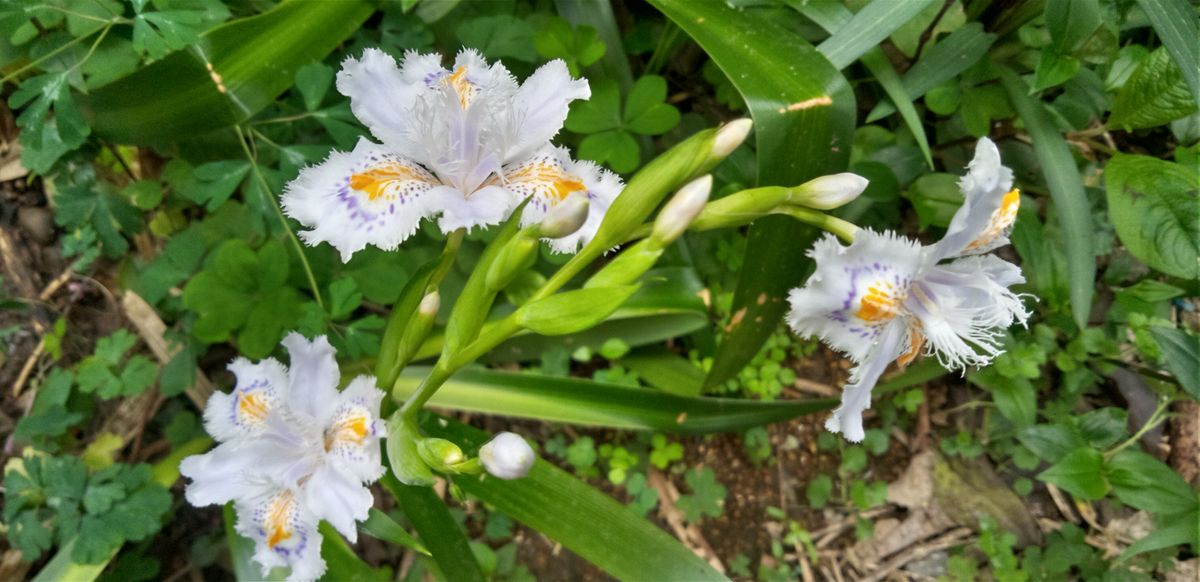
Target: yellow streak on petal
{"points": [[1001, 220], [916, 341], [374, 181], [277, 519], [880, 303], [351, 430], [252, 408], [462, 86]]}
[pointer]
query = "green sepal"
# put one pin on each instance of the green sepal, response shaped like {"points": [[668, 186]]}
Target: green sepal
{"points": [[391, 362], [403, 454]]}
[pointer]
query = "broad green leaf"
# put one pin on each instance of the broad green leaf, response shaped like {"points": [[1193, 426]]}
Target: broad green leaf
{"points": [[500, 36], [1070, 22], [803, 113], [870, 26], [443, 536], [579, 517], [707, 496], [1066, 191], [231, 73], [572, 311], [1155, 94], [1181, 355], [935, 197], [1051, 442], [585, 402], [61, 567], [616, 149], [1155, 207], [667, 371], [1175, 21], [1144, 482], [343, 563], [1080, 473], [382, 527], [1182, 528], [313, 81], [1053, 69]]}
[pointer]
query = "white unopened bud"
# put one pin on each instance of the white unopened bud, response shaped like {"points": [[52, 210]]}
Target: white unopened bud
{"points": [[682, 209], [829, 192], [430, 304], [566, 217], [730, 136], [507, 456]]}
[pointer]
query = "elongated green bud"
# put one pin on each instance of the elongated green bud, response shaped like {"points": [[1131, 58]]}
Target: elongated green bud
{"points": [[691, 158], [418, 327], [829, 192], [565, 218], [519, 254], [628, 266], [681, 210]]}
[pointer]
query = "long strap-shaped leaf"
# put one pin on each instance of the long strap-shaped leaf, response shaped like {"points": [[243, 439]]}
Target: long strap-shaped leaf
{"points": [[1066, 190], [579, 517], [577, 401], [867, 28], [233, 72], [803, 113]]}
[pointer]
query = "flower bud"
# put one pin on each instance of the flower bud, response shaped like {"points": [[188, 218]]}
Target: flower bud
{"points": [[519, 254], [829, 192], [681, 210], [440, 454], [507, 456], [566, 217], [730, 136], [430, 304]]}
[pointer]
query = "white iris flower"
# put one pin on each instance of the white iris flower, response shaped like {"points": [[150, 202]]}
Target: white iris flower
{"points": [[466, 145], [884, 297], [293, 451]]}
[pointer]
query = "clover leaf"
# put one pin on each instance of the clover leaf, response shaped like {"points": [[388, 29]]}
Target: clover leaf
{"points": [[578, 46], [612, 127], [244, 291], [707, 497], [45, 137], [104, 373]]}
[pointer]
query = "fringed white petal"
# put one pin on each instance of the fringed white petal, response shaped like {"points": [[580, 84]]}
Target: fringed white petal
{"points": [[382, 94], [313, 374], [260, 388], [218, 476], [484, 207], [964, 308], [988, 210], [855, 291], [353, 431], [368, 196], [549, 177], [539, 109], [283, 530], [856, 396], [336, 496]]}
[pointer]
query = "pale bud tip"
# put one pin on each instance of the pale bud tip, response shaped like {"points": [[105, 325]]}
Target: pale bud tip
{"points": [[829, 192], [430, 304], [682, 209], [507, 456], [730, 136], [566, 217]]}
